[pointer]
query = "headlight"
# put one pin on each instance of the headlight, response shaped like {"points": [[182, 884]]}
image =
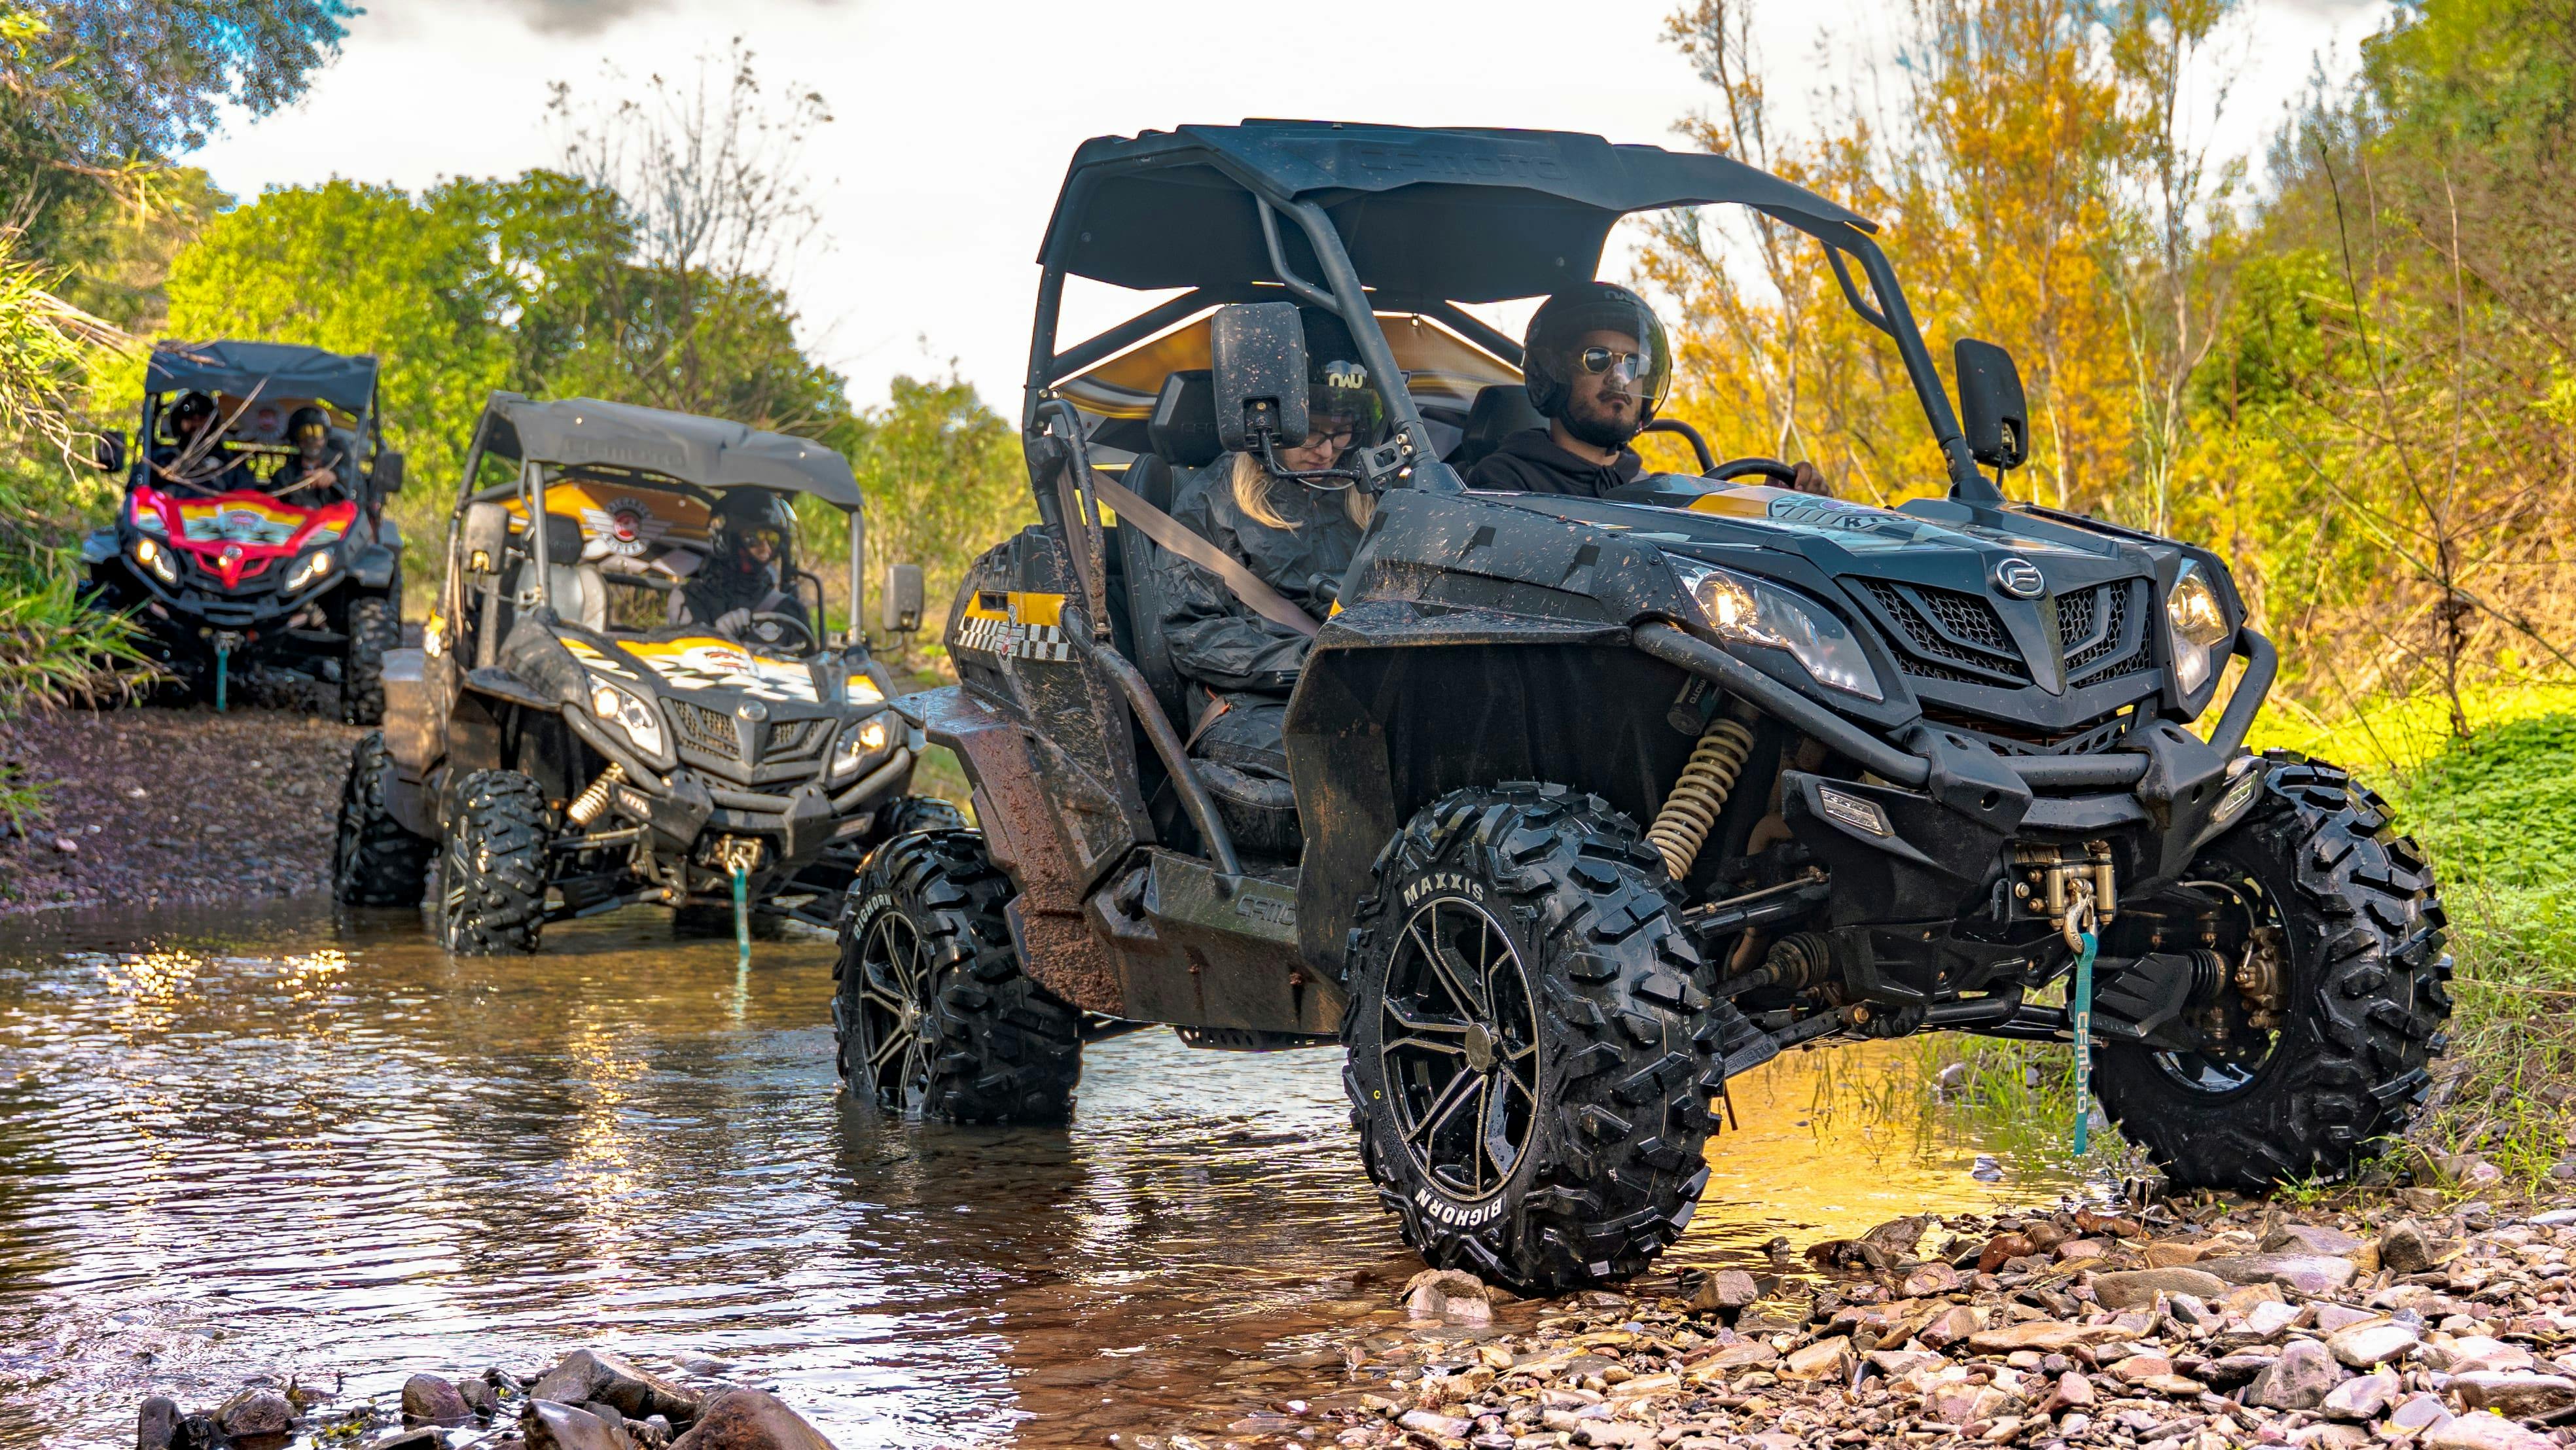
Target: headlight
{"points": [[857, 743], [157, 559], [1750, 611], [632, 716], [2198, 622], [307, 569]]}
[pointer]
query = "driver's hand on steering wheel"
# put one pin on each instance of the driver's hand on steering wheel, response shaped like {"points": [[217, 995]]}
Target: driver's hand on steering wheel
{"points": [[731, 623], [1810, 479]]}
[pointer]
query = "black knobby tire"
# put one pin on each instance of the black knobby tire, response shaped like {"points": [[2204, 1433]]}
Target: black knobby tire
{"points": [[931, 1012], [492, 869], [1591, 1040], [701, 922], [376, 860], [2367, 997], [374, 628]]}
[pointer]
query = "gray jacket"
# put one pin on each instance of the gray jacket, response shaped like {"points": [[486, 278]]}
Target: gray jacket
{"points": [[1215, 638]]}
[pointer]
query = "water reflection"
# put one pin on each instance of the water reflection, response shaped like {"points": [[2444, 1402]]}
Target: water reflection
{"points": [[273, 1144]]}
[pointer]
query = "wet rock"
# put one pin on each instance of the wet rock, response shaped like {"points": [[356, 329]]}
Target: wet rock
{"points": [[589, 1375], [2307, 1273], [550, 1425], [257, 1414], [429, 1400], [1929, 1280], [2300, 1238], [1726, 1291], [157, 1424], [2371, 1342], [2406, 1247], [2299, 1380], [2002, 1249], [753, 1420], [2518, 1396], [479, 1397], [2363, 1397], [2483, 1431], [2138, 1288]]}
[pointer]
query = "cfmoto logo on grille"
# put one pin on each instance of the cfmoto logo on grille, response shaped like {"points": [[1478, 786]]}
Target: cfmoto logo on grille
{"points": [[2020, 578]]}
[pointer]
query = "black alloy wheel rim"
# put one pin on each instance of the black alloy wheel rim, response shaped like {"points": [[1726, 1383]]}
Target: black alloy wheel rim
{"points": [[893, 1023], [2215, 1075], [1458, 1048]]}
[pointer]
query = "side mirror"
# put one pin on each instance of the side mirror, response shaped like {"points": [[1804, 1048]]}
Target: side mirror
{"points": [[387, 471], [109, 456], [1258, 356], [899, 607], [1992, 412], [484, 537]]}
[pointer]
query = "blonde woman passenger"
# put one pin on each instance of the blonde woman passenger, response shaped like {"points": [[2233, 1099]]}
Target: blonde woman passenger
{"points": [[1298, 535]]}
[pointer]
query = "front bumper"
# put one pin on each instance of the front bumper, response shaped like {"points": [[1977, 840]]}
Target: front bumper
{"points": [[684, 806]]}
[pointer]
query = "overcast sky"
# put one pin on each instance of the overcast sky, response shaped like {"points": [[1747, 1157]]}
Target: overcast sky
{"points": [[954, 121]]}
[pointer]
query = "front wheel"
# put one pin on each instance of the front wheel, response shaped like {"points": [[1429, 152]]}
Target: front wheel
{"points": [[374, 629], [1531, 1053], [376, 860], [932, 1013], [2332, 934], [492, 872]]}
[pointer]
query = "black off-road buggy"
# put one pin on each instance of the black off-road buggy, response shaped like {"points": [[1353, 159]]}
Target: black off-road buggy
{"points": [[221, 559], [558, 748], [1604, 802]]}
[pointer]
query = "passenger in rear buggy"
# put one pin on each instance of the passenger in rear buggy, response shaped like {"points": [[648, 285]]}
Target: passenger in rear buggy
{"points": [[1297, 534]]}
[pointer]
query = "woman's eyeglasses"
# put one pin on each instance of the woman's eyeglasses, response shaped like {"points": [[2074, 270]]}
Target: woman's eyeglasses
{"points": [[1599, 360]]}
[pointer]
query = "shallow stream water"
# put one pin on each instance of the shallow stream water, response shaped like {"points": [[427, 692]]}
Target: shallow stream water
{"points": [[277, 1143]]}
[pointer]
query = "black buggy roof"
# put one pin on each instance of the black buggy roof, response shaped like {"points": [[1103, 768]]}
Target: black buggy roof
{"points": [[708, 452], [1465, 215], [270, 369]]}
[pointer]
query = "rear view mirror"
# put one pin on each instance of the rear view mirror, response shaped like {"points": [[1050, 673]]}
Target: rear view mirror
{"points": [[484, 536], [899, 607], [1258, 355], [387, 472], [1992, 412], [109, 456]]}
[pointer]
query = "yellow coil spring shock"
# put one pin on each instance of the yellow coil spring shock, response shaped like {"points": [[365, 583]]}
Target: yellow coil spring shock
{"points": [[1690, 812]]}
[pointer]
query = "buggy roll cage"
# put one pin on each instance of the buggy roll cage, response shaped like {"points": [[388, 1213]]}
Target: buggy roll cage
{"points": [[697, 455], [346, 381], [1441, 216]]}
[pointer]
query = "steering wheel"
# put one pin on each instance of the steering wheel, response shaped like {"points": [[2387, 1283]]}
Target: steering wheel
{"points": [[771, 630], [1739, 467]]}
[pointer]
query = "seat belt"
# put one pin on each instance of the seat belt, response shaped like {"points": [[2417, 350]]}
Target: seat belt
{"points": [[1183, 540]]}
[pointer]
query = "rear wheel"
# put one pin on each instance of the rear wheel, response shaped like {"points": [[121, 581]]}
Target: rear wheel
{"points": [[2332, 935], [932, 1013], [374, 629], [492, 872], [376, 861], [1530, 1053]]}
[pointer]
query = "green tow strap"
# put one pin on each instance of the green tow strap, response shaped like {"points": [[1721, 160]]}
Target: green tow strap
{"points": [[742, 922], [2083, 1005], [223, 663]]}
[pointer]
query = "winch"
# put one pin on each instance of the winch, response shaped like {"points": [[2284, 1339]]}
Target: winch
{"points": [[2072, 887]]}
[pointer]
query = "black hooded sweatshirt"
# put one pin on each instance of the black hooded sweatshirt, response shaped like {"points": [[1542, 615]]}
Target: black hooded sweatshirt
{"points": [[1530, 462]]}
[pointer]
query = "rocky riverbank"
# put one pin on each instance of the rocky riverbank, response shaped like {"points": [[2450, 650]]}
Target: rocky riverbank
{"points": [[147, 806], [2181, 1327], [588, 1401]]}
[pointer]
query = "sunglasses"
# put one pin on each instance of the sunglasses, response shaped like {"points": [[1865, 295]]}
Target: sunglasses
{"points": [[1337, 438], [1599, 360]]}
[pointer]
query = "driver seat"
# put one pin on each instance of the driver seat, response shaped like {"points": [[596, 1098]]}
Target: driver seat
{"points": [[580, 590], [1500, 410], [1183, 429]]}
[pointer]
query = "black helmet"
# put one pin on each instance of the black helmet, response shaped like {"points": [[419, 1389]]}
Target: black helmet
{"points": [[191, 404], [745, 513], [1550, 351], [303, 418], [1337, 382]]}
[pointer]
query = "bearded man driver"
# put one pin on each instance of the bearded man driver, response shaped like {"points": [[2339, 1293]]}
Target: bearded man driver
{"points": [[1597, 367]]}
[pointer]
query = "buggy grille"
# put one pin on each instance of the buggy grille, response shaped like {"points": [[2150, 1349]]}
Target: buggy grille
{"points": [[2094, 627], [793, 740], [1948, 635], [711, 731]]}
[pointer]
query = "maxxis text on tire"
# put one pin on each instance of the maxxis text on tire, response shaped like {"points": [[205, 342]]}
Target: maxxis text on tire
{"points": [[492, 873], [1583, 1038], [930, 1011], [374, 628], [2367, 997], [376, 861]]}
